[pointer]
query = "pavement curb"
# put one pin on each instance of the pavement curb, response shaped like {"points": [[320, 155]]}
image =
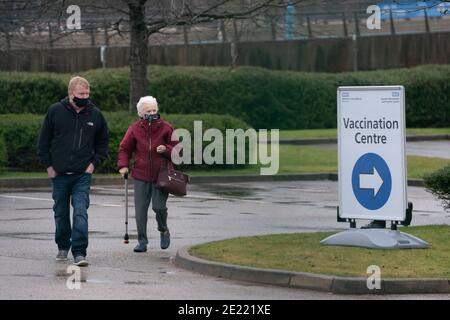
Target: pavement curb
{"points": [[325, 283], [98, 181], [31, 183]]}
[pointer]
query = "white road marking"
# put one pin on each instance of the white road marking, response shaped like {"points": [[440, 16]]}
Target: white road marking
{"points": [[47, 199], [27, 198], [121, 206]]}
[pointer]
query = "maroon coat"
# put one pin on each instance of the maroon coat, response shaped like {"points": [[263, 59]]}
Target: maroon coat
{"points": [[142, 138]]}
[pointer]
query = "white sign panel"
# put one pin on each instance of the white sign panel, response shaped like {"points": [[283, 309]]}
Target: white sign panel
{"points": [[371, 151]]}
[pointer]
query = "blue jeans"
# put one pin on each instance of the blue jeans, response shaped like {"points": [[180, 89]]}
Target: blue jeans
{"points": [[77, 187]]}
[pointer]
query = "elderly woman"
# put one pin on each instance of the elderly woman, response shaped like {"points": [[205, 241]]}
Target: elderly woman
{"points": [[149, 139]]}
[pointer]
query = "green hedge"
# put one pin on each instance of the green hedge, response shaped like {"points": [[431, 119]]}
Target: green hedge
{"points": [[438, 183], [3, 154], [260, 97], [23, 92], [21, 134]]}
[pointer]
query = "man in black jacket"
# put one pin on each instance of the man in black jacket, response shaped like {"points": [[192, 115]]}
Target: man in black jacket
{"points": [[73, 141]]}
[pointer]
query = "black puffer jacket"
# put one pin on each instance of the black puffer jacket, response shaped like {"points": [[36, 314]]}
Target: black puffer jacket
{"points": [[69, 141]]}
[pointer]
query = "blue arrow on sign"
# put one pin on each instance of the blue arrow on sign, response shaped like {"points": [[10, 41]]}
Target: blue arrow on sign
{"points": [[371, 181]]}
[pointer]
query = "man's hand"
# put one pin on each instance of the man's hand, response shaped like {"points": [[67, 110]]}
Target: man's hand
{"points": [[90, 169], [51, 172], [161, 148], [123, 170]]}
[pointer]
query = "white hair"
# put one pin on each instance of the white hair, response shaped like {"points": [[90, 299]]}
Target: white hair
{"points": [[145, 100]]}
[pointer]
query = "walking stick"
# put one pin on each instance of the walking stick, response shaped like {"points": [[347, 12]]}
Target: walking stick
{"points": [[126, 238]]}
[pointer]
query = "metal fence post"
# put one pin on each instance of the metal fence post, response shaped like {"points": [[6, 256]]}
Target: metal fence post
{"points": [[427, 23], [308, 21], [355, 52], [357, 32], [392, 22], [289, 21], [185, 35], [103, 56]]}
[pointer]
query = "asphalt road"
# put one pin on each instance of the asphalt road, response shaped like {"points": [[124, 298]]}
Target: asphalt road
{"points": [[210, 212]]}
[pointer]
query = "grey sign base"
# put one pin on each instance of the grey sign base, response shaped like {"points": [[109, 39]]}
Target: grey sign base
{"points": [[375, 239]]}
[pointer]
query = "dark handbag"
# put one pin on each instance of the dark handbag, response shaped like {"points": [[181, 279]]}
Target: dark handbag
{"points": [[171, 180]]}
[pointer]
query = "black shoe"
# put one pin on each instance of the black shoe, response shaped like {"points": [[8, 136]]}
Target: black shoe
{"points": [[165, 239], [81, 261], [62, 255], [375, 224], [140, 248]]}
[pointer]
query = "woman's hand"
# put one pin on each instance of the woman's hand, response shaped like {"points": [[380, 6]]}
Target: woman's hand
{"points": [[161, 148], [123, 170]]}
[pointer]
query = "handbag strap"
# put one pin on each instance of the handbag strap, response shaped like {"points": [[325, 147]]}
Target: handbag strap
{"points": [[170, 168]]}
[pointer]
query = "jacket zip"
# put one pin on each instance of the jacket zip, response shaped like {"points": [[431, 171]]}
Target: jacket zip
{"points": [[150, 149], [74, 138], [81, 136]]}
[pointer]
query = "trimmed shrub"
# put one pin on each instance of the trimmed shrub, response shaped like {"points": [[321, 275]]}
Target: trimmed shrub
{"points": [[438, 183], [3, 154], [23, 92], [261, 97], [21, 136]]}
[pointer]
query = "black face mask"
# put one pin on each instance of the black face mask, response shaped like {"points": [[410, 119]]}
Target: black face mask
{"points": [[81, 102], [151, 117]]}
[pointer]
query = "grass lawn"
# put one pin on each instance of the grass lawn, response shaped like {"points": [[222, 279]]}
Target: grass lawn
{"points": [[418, 167], [302, 252], [308, 134], [305, 159], [293, 159], [332, 133], [18, 174]]}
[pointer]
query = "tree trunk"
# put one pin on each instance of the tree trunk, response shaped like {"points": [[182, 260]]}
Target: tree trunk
{"points": [[92, 35], [233, 45], [344, 24], [106, 34], [138, 53], [223, 31]]}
